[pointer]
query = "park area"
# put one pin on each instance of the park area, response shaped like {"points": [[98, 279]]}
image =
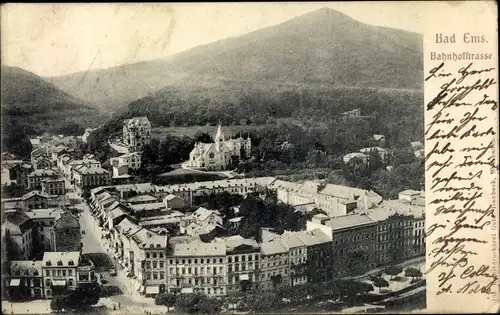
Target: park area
{"points": [[396, 278]]}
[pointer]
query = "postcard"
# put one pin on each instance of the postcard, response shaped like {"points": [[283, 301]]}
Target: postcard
{"points": [[249, 158]]}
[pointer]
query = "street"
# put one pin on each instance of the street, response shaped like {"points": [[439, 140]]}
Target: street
{"points": [[94, 247]]}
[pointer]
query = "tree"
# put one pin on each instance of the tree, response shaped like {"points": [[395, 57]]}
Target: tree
{"points": [[208, 305], [166, 299], [261, 301], [57, 304], [380, 283], [188, 303], [83, 297], [413, 273], [393, 271]]}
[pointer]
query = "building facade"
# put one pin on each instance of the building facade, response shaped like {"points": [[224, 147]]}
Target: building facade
{"points": [[219, 155], [136, 133]]}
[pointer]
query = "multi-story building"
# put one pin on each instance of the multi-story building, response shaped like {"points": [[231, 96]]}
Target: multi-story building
{"points": [[18, 232], [274, 266], [243, 256], [147, 261], [65, 271], [60, 272], [132, 160], [86, 178], [55, 229], [334, 199], [197, 267], [24, 280], [297, 257], [353, 242], [136, 133], [37, 177], [174, 202], [36, 200], [41, 162], [54, 186], [394, 234]]}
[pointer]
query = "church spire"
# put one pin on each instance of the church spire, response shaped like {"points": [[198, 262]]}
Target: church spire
{"points": [[219, 136]]}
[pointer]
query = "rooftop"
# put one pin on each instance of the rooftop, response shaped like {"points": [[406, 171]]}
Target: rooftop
{"points": [[198, 248], [350, 220], [35, 193], [26, 268], [148, 206], [61, 258], [142, 198], [52, 213], [273, 247]]}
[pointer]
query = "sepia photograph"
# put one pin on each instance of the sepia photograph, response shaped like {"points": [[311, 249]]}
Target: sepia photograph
{"points": [[213, 158]]}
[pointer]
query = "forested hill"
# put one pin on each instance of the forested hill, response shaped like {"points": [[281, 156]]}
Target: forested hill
{"points": [[32, 106], [320, 48]]}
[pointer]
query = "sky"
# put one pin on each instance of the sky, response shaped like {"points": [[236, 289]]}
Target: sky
{"points": [[57, 39]]}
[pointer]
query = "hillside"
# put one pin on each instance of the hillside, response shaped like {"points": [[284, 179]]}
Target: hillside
{"points": [[31, 106], [323, 47]]}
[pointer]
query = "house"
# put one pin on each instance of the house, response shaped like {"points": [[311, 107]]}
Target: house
{"points": [[132, 160], [136, 133], [142, 199], [148, 250], [88, 177], [174, 202], [384, 153], [24, 280], [273, 265], [36, 200], [243, 256], [354, 243], [410, 194], [66, 233], [65, 271], [54, 186], [197, 267], [9, 171], [203, 215], [355, 156], [18, 232], [56, 229], [379, 138], [37, 177]]}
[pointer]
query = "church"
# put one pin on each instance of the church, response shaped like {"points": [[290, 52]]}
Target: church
{"points": [[218, 155]]}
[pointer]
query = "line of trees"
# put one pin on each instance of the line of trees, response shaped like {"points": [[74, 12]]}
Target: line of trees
{"points": [[191, 303]]}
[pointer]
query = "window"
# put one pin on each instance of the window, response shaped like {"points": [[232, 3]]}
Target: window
{"points": [[48, 283], [47, 273], [162, 275], [162, 264], [70, 282], [154, 255], [148, 255], [155, 264], [148, 275], [64, 273]]}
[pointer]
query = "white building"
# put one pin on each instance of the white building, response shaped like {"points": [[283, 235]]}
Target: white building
{"points": [[136, 132], [132, 160], [218, 155]]}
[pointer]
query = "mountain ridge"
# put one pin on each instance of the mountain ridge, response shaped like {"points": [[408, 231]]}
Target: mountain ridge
{"points": [[31, 106], [317, 37]]}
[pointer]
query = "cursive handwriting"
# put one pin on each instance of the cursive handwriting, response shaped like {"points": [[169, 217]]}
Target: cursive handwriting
{"points": [[461, 153]]}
